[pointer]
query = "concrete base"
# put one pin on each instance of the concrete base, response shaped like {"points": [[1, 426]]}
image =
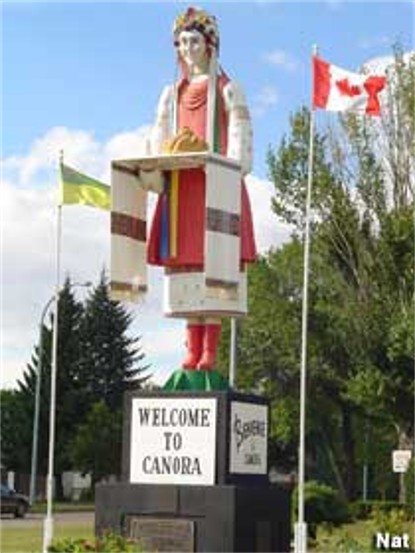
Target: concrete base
{"points": [[214, 518]]}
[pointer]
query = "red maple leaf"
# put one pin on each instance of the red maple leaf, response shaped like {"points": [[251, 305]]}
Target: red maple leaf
{"points": [[346, 89]]}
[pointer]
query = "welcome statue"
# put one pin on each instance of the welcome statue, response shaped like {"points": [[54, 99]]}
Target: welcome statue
{"points": [[202, 233], [195, 455]]}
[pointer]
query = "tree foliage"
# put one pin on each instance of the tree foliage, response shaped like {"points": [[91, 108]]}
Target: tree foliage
{"points": [[67, 415], [16, 435], [361, 292], [97, 445], [110, 362], [96, 362]]}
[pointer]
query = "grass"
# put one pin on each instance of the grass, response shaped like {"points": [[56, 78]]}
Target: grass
{"points": [[354, 537], [63, 507], [29, 540]]}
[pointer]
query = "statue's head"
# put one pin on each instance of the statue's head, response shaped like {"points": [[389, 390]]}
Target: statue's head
{"points": [[196, 36]]}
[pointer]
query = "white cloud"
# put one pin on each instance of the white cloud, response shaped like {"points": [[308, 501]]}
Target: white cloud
{"points": [[375, 42], [336, 4], [44, 154], [29, 245], [28, 202], [266, 98], [269, 231], [282, 59]]}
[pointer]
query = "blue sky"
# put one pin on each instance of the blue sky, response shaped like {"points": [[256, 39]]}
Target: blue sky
{"points": [[101, 66], [87, 76]]}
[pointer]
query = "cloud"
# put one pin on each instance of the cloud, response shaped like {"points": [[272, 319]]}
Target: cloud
{"points": [[29, 219], [375, 42], [269, 230], [29, 222], [336, 4], [281, 59], [266, 98], [163, 343]]}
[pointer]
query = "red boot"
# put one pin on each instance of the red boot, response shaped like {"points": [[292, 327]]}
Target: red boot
{"points": [[194, 343], [210, 347]]}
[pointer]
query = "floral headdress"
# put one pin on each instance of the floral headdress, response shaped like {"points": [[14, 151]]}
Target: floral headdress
{"points": [[199, 20]]}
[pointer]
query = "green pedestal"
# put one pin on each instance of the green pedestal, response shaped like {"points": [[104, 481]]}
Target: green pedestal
{"points": [[207, 381]]}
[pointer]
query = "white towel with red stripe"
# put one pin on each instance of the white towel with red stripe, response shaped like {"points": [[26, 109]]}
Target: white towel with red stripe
{"points": [[128, 235]]}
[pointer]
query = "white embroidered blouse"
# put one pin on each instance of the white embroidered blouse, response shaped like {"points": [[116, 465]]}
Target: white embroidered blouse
{"points": [[239, 127]]}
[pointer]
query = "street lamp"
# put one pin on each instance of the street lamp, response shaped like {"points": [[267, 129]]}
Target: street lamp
{"points": [[35, 438]]}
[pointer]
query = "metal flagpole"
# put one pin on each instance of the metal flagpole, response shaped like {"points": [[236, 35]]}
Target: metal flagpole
{"points": [[48, 521], [232, 353], [300, 534]]}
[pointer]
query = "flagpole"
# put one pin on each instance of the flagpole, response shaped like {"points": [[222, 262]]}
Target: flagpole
{"points": [[300, 541], [232, 353], [48, 521]]}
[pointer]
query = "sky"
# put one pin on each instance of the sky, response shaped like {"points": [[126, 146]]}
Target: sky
{"points": [[85, 77]]}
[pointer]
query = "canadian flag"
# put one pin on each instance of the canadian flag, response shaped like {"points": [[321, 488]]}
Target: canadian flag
{"points": [[336, 89]]}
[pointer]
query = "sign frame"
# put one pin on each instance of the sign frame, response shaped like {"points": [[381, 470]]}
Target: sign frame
{"points": [[173, 440], [401, 459]]}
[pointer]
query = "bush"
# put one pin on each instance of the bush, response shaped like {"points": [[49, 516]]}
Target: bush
{"points": [[109, 542], [363, 510], [410, 487], [392, 522], [322, 504]]}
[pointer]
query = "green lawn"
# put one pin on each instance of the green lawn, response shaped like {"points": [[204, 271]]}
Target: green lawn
{"points": [[29, 540], [62, 507], [349, 538]]}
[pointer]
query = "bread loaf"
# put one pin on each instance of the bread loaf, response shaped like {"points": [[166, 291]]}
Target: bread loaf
{"points": [[184, 141]]}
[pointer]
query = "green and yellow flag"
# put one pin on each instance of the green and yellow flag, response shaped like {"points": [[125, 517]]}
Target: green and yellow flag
{"points": [[77, 188]]}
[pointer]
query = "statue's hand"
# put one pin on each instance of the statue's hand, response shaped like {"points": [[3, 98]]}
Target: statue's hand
{"points": [[152, 181]]}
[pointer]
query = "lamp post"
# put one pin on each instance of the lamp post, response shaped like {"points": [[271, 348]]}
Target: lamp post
{"points": [[35, 438]]}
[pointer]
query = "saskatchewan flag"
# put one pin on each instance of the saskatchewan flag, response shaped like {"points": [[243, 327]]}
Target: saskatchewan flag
{"points": [[77, 188]]}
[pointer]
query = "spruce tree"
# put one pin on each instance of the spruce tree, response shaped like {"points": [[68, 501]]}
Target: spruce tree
{"points": [[110, 360], [16, 436], [68, 390], [27, 393]]}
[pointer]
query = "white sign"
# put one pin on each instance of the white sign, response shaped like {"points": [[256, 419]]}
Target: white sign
{"points": [[401, 459], [249, 433], [173, 441]]}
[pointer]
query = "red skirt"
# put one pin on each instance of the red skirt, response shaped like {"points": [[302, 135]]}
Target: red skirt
{"points": [[191, 225]]}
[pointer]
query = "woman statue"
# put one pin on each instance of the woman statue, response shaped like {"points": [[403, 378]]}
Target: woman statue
{"points": [[213, 107]]}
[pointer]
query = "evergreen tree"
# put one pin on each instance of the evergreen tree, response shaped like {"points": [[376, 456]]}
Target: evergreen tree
{"points": [[27, 394], [96, 363], [16, 436], [110, 359], [68, 390], [111, 363]]}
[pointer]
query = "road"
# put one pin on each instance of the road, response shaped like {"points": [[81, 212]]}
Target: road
{"points": [[35, 519]]}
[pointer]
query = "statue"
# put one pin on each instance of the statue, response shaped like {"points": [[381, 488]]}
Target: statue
{"points": [[204, 111], [202, 235]]}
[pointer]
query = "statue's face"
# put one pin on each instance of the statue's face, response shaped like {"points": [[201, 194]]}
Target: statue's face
{"points": [[192, 48]]}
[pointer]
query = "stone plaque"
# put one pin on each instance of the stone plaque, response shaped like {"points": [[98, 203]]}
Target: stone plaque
{"points": [[162, 534]]}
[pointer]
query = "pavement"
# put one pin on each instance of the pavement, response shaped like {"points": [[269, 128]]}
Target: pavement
{"points": [[36, 519]]}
